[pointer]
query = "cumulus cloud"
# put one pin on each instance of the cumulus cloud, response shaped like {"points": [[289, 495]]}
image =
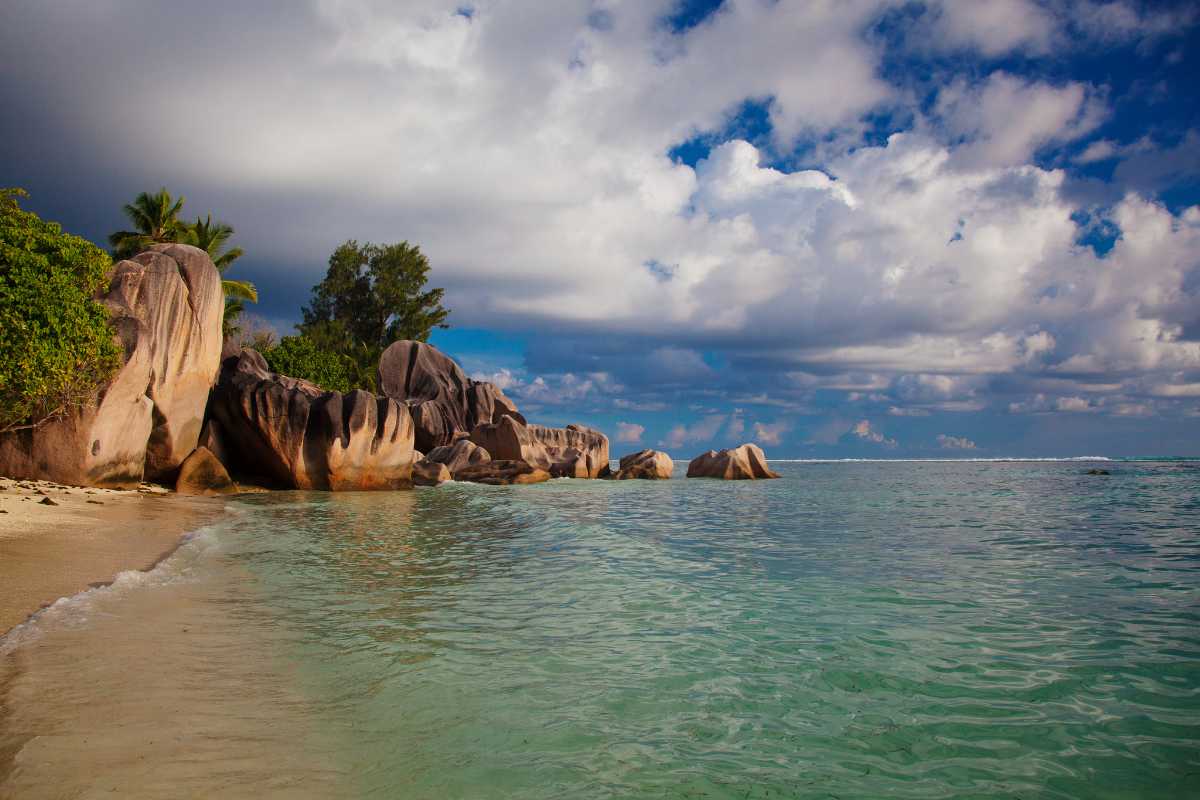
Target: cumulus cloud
{"points": [[528, 150], [629, 432], [954, 442], [1005, 120], [701, 431], [769, 434], [863, 432]]}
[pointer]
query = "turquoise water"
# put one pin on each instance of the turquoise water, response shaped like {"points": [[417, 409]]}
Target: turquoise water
{"points": [[858, 630]]}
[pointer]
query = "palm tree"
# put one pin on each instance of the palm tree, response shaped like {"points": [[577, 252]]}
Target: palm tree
{"points": [[210, 237], [155, 219]]}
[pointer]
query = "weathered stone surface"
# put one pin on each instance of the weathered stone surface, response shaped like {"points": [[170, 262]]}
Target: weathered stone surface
{"points": [[741, 463], [645, 465], [571, 452], [463, 453], [166, 305], [291, 432], [502, 473], [445, 403], [201, 473], [574, 451], [429, 473]]}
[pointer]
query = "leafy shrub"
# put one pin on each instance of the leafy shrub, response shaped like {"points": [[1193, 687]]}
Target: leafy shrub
{"points": [[300, 357], [56, 342]]}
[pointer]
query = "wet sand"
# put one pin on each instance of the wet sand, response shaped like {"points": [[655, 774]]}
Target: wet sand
{"points": [[85, 539]]}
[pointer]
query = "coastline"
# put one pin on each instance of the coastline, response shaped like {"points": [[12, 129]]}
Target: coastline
{"points": [[85, 539]]}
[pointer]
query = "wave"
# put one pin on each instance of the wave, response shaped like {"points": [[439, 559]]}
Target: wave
{"points": [[74, 609]]}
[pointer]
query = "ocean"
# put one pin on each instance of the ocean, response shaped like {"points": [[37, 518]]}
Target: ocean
{"points": [[946, 629]]}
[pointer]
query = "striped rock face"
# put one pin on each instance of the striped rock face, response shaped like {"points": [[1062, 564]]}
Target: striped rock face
{"points": [[297, 436]]}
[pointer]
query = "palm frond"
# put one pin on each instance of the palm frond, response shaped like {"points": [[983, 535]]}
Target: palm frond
{"points": [[240, 290]]}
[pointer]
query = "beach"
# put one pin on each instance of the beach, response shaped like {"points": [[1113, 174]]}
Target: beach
{"points": [[86, 538]]}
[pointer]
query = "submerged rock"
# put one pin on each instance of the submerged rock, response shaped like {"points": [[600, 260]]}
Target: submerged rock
{"points": [[445, 403], [166, 307], [502, 473], [429, 473], [298, 436], [645, 465], [463, 453], [203, 474], [741, 463]]}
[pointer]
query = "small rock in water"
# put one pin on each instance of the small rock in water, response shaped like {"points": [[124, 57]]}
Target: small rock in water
{"points": [[46, 501], [1098, 472]]}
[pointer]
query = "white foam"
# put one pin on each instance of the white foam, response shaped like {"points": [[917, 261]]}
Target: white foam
{"points": [[75, 609]]}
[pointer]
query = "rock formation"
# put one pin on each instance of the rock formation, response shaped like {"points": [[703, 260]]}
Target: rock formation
{"points": [[646, 465], [167, 306], [445, 403], [574, 451], [742, 463], [502, 473], [570, 452], [429, 473], [292, 433], [201, 473], [463, 453]]}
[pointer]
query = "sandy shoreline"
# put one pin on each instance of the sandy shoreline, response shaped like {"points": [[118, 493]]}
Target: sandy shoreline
{"points": [[85, 538]]}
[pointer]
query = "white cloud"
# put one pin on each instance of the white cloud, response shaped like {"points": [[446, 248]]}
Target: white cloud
{"points": [[954, 442], [629, 432], [700, 431], [769, 434], [1006, 119], [994, 27], [863, 432], [528, 154], [1099, 150]]}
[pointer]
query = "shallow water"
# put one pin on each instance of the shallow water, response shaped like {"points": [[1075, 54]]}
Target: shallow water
{"points": [[853, 630]]}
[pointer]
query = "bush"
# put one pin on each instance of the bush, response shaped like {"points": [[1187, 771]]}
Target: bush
{"points": [[300, 357], [57, 345]]}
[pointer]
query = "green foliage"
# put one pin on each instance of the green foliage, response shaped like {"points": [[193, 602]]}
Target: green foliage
{"points": [[57, 345], [372, 296], [301, 357], [155, 219]]}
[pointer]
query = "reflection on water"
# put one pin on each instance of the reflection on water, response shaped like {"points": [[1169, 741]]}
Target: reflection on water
{"points": [[859, 630]]}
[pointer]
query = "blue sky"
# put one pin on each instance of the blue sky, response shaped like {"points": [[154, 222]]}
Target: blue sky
{"points": [[864, 228]]}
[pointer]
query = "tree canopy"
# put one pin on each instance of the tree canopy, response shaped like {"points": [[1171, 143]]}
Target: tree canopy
{"points": [[57, 345], [155, 220], [371, 296]]}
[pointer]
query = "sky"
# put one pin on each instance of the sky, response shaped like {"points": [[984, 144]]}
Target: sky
{"points": [[859, 228]]}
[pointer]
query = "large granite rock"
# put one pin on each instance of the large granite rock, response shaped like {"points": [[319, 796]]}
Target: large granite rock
{"points": [[738, 464], [502, 473], [645, 465], [292, 433], [574, 451], [570, 452], [429, 473], [445, 403], [166, 305], [463, 453], [202, 474]]}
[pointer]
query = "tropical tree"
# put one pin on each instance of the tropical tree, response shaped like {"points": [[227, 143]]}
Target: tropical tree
{"points": [[372, 295], [155, 219], [56, 342], [211, 237]]}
